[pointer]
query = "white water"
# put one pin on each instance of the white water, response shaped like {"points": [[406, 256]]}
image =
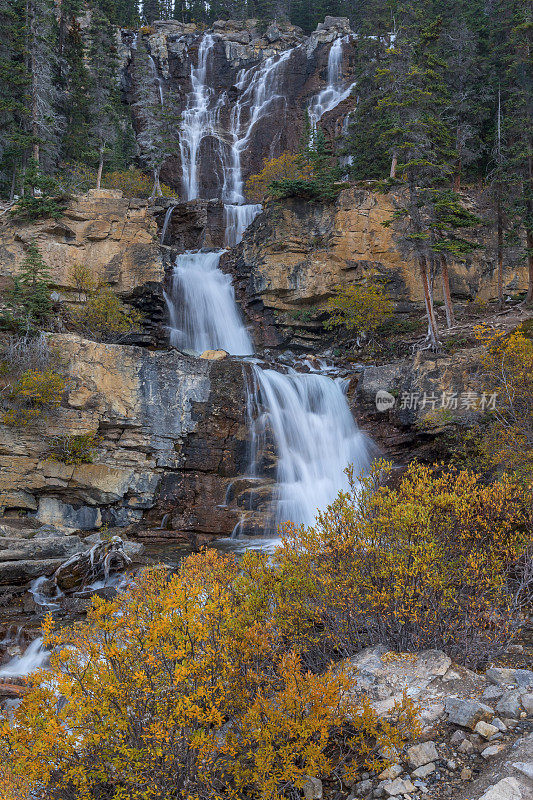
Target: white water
{"points": [[157, 79], [336, 89], [198, 119], [307, 415], [166, 221], [259, 89], [33, 658], [315, 435], [202, 308], [237, 219]]}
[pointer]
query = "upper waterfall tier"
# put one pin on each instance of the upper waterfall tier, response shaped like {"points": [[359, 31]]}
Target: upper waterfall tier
{"points": [[244, 98]]}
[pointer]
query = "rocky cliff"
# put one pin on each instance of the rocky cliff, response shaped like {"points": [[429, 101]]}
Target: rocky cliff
{"points": [[296, 253], [170, 435]]}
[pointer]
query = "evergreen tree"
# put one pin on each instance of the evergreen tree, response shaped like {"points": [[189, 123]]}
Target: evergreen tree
{"points": [[15, 79], [29, 302], [104, 89], [415, 98], [158, 137], [77, 90]]}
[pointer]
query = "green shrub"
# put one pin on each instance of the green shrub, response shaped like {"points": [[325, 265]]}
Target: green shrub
{"points": [[78, 449], [104, 316]]}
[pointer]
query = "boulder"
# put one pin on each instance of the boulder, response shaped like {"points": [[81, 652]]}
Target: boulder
{"points": [[466, 713], [420, 754], [214, 355], [522, 678], [485, 729], [506, 789], [509, 705]]}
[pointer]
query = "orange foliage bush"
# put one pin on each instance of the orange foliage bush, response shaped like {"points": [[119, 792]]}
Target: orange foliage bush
{"points": [[439, 561], [179, 689]]}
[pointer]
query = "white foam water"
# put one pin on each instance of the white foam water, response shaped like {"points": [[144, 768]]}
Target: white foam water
{"points": [[336, 89], [202, 308], [33, 658], [315, 436], [237, 218]]}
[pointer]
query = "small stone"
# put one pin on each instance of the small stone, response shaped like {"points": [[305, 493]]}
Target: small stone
{"points": [[452, 765], [458, 737], [398, 786], [312, 789], [511, 723], [492, 750], [509, 704], [214, 355], [485, 729], [421, 754], [467, 713], [466, 747], [466, 774], [424, 771], [391, 772], [499, 724], [527, 703], [362, 788]]}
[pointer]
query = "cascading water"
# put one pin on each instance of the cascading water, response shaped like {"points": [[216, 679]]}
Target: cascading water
{"points": [[305, 414], [315, 437], [237, 219], [336, 89], [157, 80], [202, 308], [198, 119]]}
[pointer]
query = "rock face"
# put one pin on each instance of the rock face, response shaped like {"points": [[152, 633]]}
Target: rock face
{"points": [[295, 254], [164, 421], [114, 237]]}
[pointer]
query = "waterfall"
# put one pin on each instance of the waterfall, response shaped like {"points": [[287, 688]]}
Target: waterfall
{"points": [[156, 77], [237, 219], [202, 308], [198, 119], [166, 222], [305, 415], [336, 89], [315, 437]]}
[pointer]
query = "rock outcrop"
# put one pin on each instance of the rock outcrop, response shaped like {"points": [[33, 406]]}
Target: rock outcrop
{"points": [[114, 237], [170, 433], [296, 253]]}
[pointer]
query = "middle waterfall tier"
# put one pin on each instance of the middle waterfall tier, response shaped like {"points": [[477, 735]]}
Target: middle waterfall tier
{"points": [[202, 308]]}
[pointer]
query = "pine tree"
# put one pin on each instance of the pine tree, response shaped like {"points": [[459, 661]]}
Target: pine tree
{"points": [[158, 137], [29, 302], [77, 90], [104, 89], [15, 80], [415, 98]]}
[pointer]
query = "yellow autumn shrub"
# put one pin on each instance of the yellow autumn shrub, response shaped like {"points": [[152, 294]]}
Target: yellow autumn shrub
{"points": [[361, 307], [440, 560], [287, 166], [104, 316], [32, 394], [507, 360], [176, 689]]}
